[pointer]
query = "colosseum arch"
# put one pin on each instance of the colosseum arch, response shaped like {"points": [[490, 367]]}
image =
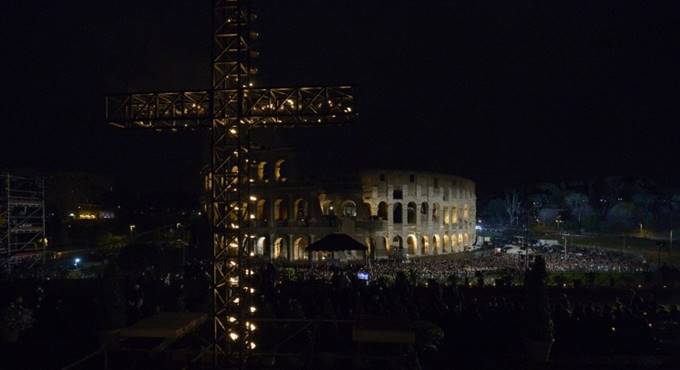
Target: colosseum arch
{"points": [[326, 206], [300, 247], [207, 181], [300, 209], [382, 211], [280, 209], [454, 215], [262, 211], [436, 240], [262, 172], [397, 213], [466, 212], [411, 210], [435, 212], [460, 241], [261, 246], [466, 239], [424, 246], [349, 208], [424, 210], [280, 170], [411, 245], [280, 249], [445, 212], [447, 243], [397, 243]]}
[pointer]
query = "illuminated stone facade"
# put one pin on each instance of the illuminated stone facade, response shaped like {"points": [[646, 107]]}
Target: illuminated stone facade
{"points": [[392, 212]]}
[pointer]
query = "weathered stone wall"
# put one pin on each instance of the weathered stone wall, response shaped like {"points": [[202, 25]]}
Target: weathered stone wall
{"points": [[416, 213]]}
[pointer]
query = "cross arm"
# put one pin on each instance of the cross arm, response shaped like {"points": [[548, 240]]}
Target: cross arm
{"points": [[284, 107], [160, 110]]}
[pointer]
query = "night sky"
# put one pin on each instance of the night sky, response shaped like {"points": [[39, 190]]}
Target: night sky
{"points": [[494, 90]]}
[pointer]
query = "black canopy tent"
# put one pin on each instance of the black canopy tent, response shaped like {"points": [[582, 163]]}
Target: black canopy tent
{"points": [[336, 242]]}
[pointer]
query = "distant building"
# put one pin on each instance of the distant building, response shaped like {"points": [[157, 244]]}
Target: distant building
{"points": [[393, 212], [91, 212]]}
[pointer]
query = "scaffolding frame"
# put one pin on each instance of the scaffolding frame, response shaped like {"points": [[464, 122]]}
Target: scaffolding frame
{"points": [[22, 218]]}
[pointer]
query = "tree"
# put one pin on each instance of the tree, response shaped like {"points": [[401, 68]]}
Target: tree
{"points": [[644, 205], [621, 215], [552, 194], [494, 212], [579, 206], [512, 206], [675, 202]]}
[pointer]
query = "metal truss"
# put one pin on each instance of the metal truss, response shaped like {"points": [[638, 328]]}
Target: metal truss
{"points": [[229, 110], [22, 217], [277, 107]]}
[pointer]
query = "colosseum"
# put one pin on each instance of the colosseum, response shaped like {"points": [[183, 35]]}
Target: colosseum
{"points": [[392, 212]]}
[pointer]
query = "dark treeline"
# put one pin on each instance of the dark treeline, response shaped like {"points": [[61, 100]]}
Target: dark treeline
{"points": [[613, 203]]}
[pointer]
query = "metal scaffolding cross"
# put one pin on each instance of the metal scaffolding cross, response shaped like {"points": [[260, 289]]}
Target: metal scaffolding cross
{"points": [[230, 109]]}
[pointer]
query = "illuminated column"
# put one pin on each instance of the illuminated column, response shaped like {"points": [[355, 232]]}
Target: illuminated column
{"points": [[290, 247], [271, 221]]}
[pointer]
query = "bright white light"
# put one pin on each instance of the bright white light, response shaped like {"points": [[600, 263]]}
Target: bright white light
{"points": [[76, 261], [233, 336], [478, 227]]}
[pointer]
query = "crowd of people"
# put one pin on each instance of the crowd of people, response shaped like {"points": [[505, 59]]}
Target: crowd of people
{"points": [[442, 269], [445, 296], [473, 320], [595, 260]]}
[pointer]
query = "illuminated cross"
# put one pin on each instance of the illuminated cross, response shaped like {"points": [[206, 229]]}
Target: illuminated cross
{"points": [[230, 109]]}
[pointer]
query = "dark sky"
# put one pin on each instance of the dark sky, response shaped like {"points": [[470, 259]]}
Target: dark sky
{"points": [[489, 89]]}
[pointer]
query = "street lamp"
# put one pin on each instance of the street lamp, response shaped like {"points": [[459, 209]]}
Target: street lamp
{"points": [[558, 221]]}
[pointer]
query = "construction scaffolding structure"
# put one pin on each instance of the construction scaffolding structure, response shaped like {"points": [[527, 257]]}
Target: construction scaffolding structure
{"points": [[22, 219], [229, 110]]}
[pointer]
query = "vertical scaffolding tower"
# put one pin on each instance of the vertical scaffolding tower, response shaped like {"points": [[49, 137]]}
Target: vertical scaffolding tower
{"points": [[22, 219]]}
